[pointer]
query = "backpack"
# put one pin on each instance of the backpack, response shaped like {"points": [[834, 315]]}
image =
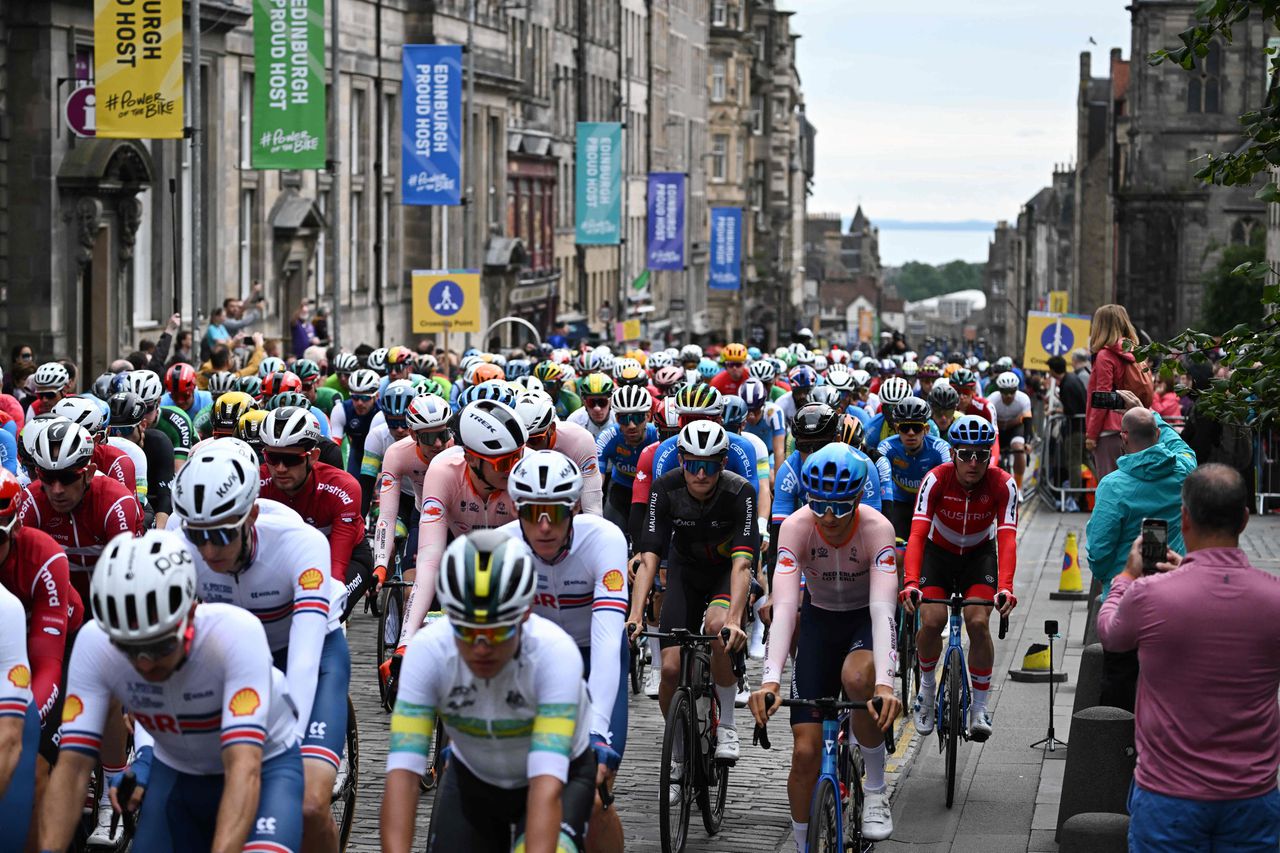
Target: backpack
{"points": [[1136, 378]]}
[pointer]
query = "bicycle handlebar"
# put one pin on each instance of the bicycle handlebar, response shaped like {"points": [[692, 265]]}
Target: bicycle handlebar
{"points": [[683, 637], [761, 735], [967, 602]]}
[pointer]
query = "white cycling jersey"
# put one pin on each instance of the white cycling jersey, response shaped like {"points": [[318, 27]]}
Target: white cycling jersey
{"points": [[585, 593], [1015, 410], [531, 719], [225, 693], [287, 585], [582, 418], [15, 671], [139, 459]]}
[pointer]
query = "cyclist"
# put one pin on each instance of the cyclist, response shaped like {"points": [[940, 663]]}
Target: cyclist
{"points": [[19, 725], [181, 391], [156, 446], [354, 418], [963, 539], [619, 448], [581, 561], [845, 550], [893, 391], [764, 421], [943, 401], [1013, 420], [733, 417], [393, 400], [596, 415], [702, 518], [327, 498], [926, 377], [702, 402], [125, 432], [197, 677], [544, 432], [344, 364], [320, 396], [905, 458], [52, 382], [734, 360], [261, 556], [553, 377], [802, 378], [93, 415]]}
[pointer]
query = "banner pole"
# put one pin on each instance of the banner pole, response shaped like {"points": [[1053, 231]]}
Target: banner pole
{"points": [[197, 174], [334, 208]]}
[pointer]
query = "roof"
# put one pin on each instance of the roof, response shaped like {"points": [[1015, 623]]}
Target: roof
{"points": [[859, 221], [292, 211]]}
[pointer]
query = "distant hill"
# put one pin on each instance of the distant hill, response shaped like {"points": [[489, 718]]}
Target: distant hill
{"points": [[914, 280], [909, 225]]}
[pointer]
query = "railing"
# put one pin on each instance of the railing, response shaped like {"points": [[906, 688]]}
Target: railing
{"points": [[1062, 482], [1266, 462]]}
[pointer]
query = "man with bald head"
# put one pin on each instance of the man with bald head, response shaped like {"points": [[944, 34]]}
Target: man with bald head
{"points": [[1147, 483]]}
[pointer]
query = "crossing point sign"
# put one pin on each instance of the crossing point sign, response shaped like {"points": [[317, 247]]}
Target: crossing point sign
{"points": [[1053, 334], [446, 298]]}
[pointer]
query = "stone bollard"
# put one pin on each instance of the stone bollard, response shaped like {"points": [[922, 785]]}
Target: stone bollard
{"points": [[1091, 616], [1100, 763], [1089, 679], [1095, 832]]}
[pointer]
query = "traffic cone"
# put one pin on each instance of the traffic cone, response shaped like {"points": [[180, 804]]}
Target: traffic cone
{"points": [[1070, 587], [1035, 666]]}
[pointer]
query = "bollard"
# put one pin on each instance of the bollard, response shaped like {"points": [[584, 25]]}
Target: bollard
{"points": [[1099, 764], [1089, 679], [1091, 617], [1095, 832]]}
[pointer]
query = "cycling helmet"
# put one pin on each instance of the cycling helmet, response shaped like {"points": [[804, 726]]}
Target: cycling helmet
{"points": [[526, 384], [428, 411], [869, 364], [665, 417], [929, 370], [667, 377], [490, 428], [218, 485], [305, 368], [893, 391], [631, 399], [861, 379], [1003, 363], [587, 361], [911, 410], [486, 579], [851, 431], [606, 360], [396, 397], [735, 412], [291, 427], [753, 394], [287, 398], [50, 376], [804, 355], [964, 378], [707, 369], [62, 446], [840, 379], [699, 400], [690, 355], [88, 412], [803, 377], [490, 390], [270, 365], [363, 381], [815, 422], [754, 353], [825, 394], [427, 363], [971, 431], [279, 382], [692, 377], [252, 386], [222, 382], [127, 411], [483, 371], [545, 477], [10, 498], [820, 364], [518, 367], [249, 427], [105, 385], [1007, 381], [658, 360], [30, 437], [595, 385], [548, 372], [632, 374], [400, 358], [943, 396], [143, 589], [146, 384], [834, 473], [227, 410], [982, 367], [345, 362], [377, 361], [180, 379], [733, 354], [910, 369], [703, 438], [763, 370]]}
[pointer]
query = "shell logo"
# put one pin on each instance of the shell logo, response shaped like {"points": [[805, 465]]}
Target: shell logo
{"points": [[613, 580], [244, 703], [20, 677], [311, 579], [72, 708]]}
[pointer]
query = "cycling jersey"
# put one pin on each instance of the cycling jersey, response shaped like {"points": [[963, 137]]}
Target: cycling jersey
{"points": [[961, 521], [334, 384], [137, 459], [981, 407], [1018, 409], [15, 674], [529, 720], [105, 511], [402, 472], [15, 703], [741, 459], [326, 399], [787, 405], [329, 501], [902, 470], [585, 593], [160, 461], [619, 458], [582, 418], [769, 427], [179, 426], [117, 464], [37, 574], [789, 493], [201, 399], [8, 451], [579, 445], [706, 535], [345, 423], [762, 460], [12, 411], [726, 384], [376, 445], [858, 573], [640, 488], [567, 403]]}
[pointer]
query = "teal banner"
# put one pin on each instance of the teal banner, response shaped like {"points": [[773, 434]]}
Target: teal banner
{"points": [[288, 84], [599, 183]]}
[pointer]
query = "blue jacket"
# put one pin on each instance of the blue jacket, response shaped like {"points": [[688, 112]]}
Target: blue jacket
{"points": [[1146, 484]]}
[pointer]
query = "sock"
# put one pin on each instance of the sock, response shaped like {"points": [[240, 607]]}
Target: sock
{"points": [[981, 680], [655, 651], [873, 760], [726, 695], [107, 771], [928, 677], [799, 832]]}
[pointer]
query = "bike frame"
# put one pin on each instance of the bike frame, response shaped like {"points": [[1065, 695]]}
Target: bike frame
{"points": [[831, 729], [957, 603]]}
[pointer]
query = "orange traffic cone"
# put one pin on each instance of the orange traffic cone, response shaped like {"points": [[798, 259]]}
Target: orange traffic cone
{"points": [[1070, 587]]}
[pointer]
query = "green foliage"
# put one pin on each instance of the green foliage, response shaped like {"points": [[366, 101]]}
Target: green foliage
{"points": [[1230, 300], [915, 280]]}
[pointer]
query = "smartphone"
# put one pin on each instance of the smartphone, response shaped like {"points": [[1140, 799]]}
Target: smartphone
{"points": [[247, 341], [1106, 400], [1155, 543]]}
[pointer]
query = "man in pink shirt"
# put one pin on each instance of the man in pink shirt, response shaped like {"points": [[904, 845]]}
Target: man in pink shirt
{"points": [[1208, 723]]}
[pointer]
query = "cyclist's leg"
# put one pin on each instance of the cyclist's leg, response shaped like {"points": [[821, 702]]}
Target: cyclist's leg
{"points": [[471, 815], [819, 652], [326, 736], [180, 811], [1018, 449], [359, 576], [977, 578], [682, 608], [575, 808], [722, 674], [278, 824], [18, 800], [935, 582], [604, 830]]}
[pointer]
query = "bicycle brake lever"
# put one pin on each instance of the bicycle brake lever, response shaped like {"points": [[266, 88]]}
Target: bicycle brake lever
{"points": [[1004, 625]]}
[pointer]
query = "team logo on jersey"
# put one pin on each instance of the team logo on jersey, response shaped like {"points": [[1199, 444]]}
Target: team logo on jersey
{"points": [[432, 510], [244, 702], [786, 561], [613, 580], [311, 579], [386, 482], [72, 708], [887, 560], [20, 676]]}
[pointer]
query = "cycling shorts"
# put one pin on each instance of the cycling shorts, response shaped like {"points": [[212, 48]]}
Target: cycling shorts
{"points": [[470, 814], [973, 574], [827, 637], [1014, 437], [182, 808], [617, 507], [618, 722], [327, 729], [899, 515], [359, 575], [690, 592], [17, 801]]}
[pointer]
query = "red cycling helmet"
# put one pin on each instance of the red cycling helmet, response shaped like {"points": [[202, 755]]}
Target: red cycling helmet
{"points": [[180, 380], [280, 382], [10, 492]]}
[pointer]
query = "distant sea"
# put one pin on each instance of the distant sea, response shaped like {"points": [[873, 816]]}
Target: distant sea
{"points": [[933, 242]]}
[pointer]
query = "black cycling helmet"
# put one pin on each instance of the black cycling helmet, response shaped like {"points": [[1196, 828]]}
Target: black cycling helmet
{"points": [[814, 425], [127, 410], [944, 397], [912, 410]]}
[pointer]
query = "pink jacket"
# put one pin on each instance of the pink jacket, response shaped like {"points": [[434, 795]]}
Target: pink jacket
{"points": [[1168, 405], [1108, 369]]}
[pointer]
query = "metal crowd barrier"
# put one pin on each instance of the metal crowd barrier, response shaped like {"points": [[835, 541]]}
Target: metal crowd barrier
{"points": [[1063, 482], [1266, 461]]}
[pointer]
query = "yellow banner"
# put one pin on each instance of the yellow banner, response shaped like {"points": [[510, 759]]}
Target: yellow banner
{"points": [[1053, 334], [137, 60], [1058, 301], [446, 297], [627, 330]]}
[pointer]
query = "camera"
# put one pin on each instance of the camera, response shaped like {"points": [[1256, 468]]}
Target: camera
{"points": [[1106, 400]]}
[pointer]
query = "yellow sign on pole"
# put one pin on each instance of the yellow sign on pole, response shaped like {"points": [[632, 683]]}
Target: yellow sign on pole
{"points": [[865, 330], [1053, 334], [138, 69], [446, 299], [627, 330], [1058, 302]]}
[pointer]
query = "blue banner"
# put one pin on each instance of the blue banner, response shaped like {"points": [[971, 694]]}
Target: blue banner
{"points": [[726, 248], [598, 208], [431, 136], [666, 221]]}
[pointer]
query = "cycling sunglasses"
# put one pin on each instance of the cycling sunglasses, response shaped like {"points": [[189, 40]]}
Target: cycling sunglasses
{"points": [[397, 423], [502, 464], [839, 509], [596, 402], [431, 437], [149, 652], [469, 635], [973, 455], [632, 419], [219, 536], [911, 428], [361, 398], [553, 513], [65, 478], [288, 460], [709, 467]]}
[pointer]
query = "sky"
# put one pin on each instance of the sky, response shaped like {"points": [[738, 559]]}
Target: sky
{"points": [[943, 111]]}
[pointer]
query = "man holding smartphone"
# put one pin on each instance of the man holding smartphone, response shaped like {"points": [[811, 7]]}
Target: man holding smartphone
{"points": [[1145, 485]]}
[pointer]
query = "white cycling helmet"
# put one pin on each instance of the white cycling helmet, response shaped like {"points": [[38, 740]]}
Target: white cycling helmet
{"points": [[691, 352], [840, 379], [703, 438], [290, 427], [861, 379], [545, 477], [61, 446], [486, 579], [1007, 381], [146, 384], [363, 381], [345, 362], [762, 370], [143, 589], [218, 485], [428, 411], [659, 359], [536, 411], [631, 399], [223, 382], [489, 428], [50, 375], [84, 411], [269, 365], [910, 368], [377, 360], [528, 384], [893, 391]]}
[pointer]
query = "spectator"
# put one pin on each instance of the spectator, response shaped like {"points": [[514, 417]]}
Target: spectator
{"points": [[304, 333], [22, 365], [1080, 364], [1166, 402], [319, 355], [321, 324], [236, 318], [1109, 336], [271, 346], [160, 357], [1208, 725], [1144, 485], [220, 360], [216, 334], [182, 352], [559, 340], [1214, 440], [147, 347], [426, 346], [1072, 400]]}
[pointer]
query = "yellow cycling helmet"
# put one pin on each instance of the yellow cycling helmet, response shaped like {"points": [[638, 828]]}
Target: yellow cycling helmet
{"points": [[249, 427], [733, 354], [595, 385], [227, 410]]}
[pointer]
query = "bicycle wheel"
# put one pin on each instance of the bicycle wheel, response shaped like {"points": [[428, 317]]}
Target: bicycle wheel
{"points": [[637, 665], [851, 771], [954, 718], [345, 786], [712, 782], [673, 818], [439, 754], [390, 608], [824, 821]]}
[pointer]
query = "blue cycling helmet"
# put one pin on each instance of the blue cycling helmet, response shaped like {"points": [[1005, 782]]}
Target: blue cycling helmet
{"points": [[708, 368], [734, 412], [492, 389], [803, 376], [753, 393], [754, 353], [518, 367], [834, 473], [394, 400], [971, 431]]}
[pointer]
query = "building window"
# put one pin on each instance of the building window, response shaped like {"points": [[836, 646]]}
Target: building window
{"points": [[359, 152], [1246, 232], [719, 156], [355, 248], [143, 275], [719, 13], [321, 256], [246, 120], [1204, 89], [780, 111], [717, 79], [246, 240], [386, 132], [757, 113]]}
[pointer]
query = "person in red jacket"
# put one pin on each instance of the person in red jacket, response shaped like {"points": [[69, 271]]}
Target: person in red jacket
{"points": [[1111, 340], [327, 497]]}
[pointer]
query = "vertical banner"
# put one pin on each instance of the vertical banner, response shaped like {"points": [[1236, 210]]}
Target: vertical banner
{"points": [[431, 126], [599, 183], [137, 61], [726, 248], [666, 221], [288, 84]]}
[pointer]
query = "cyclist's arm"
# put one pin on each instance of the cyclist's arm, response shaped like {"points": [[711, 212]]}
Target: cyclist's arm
{"points": [[543, 810], [920, 522], [559, 692], [778, 433], [1007, 532], [884, 470], [123, 516], [47, 631], [242, 770], [608, 611], [606, 443], [433, 533], [746, 542], [883, 604], [347, 532], [592, 489], [307, 629], [400, 806], [338, 422], [784, 592], [652, 544], [63, 799], [15, 696], [388, 511]]}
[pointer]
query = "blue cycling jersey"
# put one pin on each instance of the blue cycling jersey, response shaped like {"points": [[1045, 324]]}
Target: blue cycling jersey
{"points": [[769, 427], [8, 452], [904, 470], [619, 458], [199, 400], [878, 429], [789, 495], [741, 459]]}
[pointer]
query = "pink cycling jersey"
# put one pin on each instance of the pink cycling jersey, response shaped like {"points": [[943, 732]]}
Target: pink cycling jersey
{"points": [[580, 446], [401, 467], [860, 572]]}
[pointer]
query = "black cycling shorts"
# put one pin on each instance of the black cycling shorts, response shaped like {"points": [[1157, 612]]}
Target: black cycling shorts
{"points": [[472, 815], [899, 514], [690, 591], [826, 639], [973, 574]]}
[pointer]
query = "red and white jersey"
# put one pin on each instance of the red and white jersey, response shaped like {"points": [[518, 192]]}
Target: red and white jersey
{"points": [[960, 520], [226, 693], [329, 501], [402, 473], [15, 675], [981, 407], [106, 510], [117, 464], [579, 444]]}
